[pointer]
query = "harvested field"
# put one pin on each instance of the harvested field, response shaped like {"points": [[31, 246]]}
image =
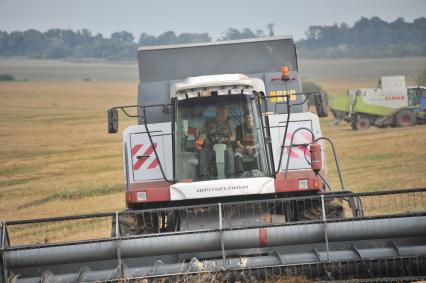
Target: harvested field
{"points": [[56, 155]]}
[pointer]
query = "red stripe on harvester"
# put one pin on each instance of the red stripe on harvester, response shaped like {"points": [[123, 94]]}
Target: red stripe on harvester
{"points": [[288, 137], [307, 151], [292, 153], [141, 161], [263, 237], [307, 135], [153, 164], [136, 148]]}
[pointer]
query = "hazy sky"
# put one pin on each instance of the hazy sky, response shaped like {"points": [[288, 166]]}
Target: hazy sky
{"points": [[214, 16]]}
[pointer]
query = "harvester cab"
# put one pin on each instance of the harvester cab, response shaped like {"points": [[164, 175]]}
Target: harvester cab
{"points": [[417, 96], [209, 109]]}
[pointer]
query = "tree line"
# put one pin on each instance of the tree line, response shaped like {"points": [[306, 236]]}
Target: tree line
{"points": [[366, 38], [62, 43]]}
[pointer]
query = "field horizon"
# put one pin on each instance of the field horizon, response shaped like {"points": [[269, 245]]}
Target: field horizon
{"points": [[318, 70]]}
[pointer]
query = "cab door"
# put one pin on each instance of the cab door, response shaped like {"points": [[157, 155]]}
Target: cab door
{"points": [[414, 96], [142, 162]]}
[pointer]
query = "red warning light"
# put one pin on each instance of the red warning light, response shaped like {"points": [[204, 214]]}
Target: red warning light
{"points": [[284, 73]]}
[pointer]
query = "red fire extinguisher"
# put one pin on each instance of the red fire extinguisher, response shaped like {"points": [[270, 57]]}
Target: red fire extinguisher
{"points": [[316, 158]]}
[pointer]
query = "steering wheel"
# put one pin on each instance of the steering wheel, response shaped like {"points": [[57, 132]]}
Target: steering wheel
{"points": [[220, 138]]}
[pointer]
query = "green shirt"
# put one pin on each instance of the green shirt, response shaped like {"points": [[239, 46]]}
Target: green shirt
{"points": [[218, 132]]}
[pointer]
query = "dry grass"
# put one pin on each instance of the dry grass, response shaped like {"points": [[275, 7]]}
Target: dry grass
{"points": [[378, 159], [56, 157], [359, 70], [65, 70], [61, 231]]}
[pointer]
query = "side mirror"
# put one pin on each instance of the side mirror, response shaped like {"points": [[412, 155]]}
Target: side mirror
{"points": [[112, 121], [321, 104]]}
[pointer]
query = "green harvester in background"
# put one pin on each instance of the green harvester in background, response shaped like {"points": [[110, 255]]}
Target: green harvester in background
{"points": [[390, 104]]}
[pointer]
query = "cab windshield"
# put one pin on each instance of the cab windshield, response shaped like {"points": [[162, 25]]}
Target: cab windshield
{"points": [[413, 96], [218, 137]]}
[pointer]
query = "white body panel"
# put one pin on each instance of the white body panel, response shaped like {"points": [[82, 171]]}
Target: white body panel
{"points": [[222, 84], [392, 83], [277, 123], [217, 81], [389, 98], [391, 93], [141, 163], [220, 188]]}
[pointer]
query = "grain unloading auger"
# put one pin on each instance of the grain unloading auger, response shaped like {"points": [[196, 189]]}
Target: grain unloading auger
{"points": [[225, 176]]}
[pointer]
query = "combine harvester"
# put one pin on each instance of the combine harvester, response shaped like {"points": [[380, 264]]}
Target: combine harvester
{"points": [[226, 180], [391, 104]]}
